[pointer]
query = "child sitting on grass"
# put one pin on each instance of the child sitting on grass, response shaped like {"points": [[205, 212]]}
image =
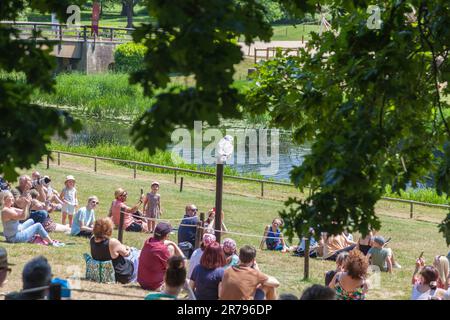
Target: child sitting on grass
{"points": [[274, 238]]}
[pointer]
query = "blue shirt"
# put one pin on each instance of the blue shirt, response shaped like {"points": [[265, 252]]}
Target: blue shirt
{"points": [[186, 233], [87, 216], [207, 282]]}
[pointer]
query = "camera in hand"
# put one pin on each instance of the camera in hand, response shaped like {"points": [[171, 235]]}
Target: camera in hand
{"points": [[41, 181], [4, 185]]}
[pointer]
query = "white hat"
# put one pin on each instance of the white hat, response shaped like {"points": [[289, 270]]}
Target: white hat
{"points": [[69, 177]]}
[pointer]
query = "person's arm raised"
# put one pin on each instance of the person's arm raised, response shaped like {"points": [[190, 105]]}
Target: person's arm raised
{"points": [[266, 230]]}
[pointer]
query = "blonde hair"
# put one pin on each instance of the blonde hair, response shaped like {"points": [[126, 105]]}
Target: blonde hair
{"points": [[442, 265], [118, 192], [92, 198], [3, 195]]}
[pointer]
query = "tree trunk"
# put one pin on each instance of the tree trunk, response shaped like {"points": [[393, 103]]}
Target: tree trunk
{"points": [[123, 12], [129, 8]]}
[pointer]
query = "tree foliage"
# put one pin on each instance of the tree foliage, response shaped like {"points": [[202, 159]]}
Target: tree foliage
{"points": [[25, 127], [371, 102]]}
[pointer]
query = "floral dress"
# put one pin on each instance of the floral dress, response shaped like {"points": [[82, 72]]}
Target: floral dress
{"points": [[342, 294]]}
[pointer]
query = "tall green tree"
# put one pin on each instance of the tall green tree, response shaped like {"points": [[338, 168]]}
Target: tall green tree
{"points": [[371, 99], [26, 128]]}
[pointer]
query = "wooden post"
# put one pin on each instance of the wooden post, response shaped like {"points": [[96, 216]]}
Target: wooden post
{"points": [[84, 33], [60, 33], [267, 53], [95, 164], [175, 177], [306, 271], [48, 161], [199, 230], [55, 291], [262, 189], [411, 210], [112, 34], [256, 51], [181, 184], [218, 206], [134, 171], [59, 158], [120, 235]]}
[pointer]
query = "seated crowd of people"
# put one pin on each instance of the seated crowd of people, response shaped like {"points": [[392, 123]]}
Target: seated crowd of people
{"points": [[214, 271]]}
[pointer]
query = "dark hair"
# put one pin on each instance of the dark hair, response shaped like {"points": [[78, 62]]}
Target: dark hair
{"points": [[287, 296], [318, 292], [247, 254], [356, 264], [36, 273], [176, 272], [213, 257], [430, 275]]}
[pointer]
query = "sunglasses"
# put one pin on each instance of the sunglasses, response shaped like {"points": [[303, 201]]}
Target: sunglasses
{"points": [[193, 209], [95, 202]]}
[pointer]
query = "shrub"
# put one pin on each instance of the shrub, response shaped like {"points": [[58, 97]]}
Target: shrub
{"points": [[129, 57]]}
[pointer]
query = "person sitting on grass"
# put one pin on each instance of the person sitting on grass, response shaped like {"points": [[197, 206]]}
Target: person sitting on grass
{"points": [[340, 262], [130, 223], [442, 266], [188, 226], [245, 281], [318, 292], [194, 260], [84, 219], [273, 237], [206, 277], [105, 248], [13, 230], [229, 249], [154, 255], [424, 281], [380, 256], [48, 224], [36, 273], [351, 284], [335, 244], [364, 244], [174, 281]]}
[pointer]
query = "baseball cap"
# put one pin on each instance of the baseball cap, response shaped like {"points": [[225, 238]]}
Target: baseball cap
{"points": [[162, 229], [155, 182], [4, 259], [380, 240]]}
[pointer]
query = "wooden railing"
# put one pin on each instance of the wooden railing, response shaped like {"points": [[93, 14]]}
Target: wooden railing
{"points": [[58, 31], [134, 164]]}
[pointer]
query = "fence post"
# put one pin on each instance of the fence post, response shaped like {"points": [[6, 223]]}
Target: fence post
{"points": [[306, 271], [175, 177], [134, 171], [255, 53], [181, 184], [267, 53], [120, 235], [55, 291], [411, 210], [112, 34], [84, 33], [262, 189], [48, 161], [199, 230], [95, 164], [59, 158]]}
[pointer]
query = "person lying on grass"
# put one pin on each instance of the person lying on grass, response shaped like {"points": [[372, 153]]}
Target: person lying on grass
{"points": [[273, 237], [13, 230]]}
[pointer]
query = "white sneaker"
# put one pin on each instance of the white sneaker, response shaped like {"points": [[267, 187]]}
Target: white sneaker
{"points": [[397, 266], [58, 244]]}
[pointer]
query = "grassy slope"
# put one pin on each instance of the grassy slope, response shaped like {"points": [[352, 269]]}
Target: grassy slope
{"points": [[246, 214]]}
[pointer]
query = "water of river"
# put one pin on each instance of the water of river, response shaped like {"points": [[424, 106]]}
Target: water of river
{"points": [[274, 158]]}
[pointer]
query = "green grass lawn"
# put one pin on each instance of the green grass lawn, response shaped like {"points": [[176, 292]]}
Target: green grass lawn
{"points": [[293, 32], [245, 212]]}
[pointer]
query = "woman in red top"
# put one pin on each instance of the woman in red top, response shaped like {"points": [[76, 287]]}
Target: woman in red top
{"points": [[154, 255], [130, 223]]}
